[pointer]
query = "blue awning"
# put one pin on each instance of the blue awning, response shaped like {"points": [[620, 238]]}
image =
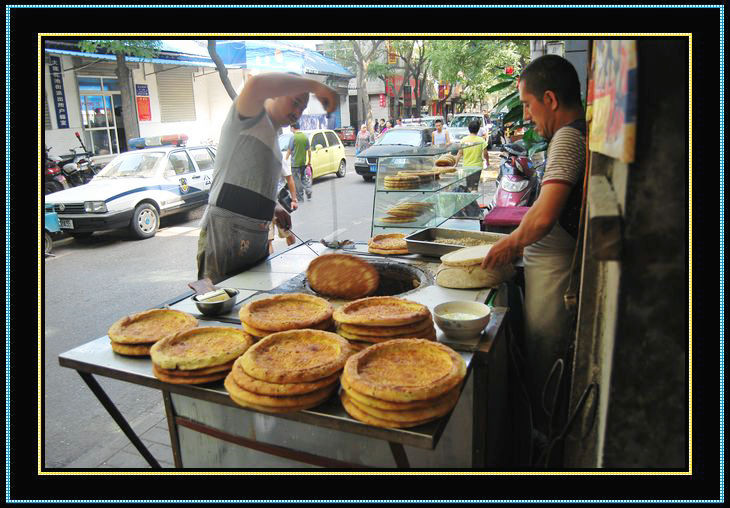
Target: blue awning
{"points": [[189, 61]]}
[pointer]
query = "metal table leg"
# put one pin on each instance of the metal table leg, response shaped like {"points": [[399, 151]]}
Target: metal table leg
{"points": [[172, 428], [399, 454], [118, 418]]}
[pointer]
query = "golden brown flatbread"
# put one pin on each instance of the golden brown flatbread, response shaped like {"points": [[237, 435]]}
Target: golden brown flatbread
{"points": [[428, 335], [150, 326], [364, 417], [286, 312], [387, 331], [241, 397], [205, 371], [325, 325], [435, 410], [343, 276], [200, 347], [188, 380], [397, 220], [131, 349], [296, 356], [404, 370], [278, 389], [451, 395], [381, 311], [391, 241], [390, 252]]}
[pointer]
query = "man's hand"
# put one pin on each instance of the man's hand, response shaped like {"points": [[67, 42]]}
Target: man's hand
{"points": [[282, 217], [294, 204], [328, 97], [503, 252]]}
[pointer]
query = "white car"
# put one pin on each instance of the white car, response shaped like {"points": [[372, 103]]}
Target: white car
{"points": [[135, 189]]}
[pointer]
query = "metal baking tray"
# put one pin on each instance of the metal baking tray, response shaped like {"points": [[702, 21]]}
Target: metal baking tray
{"points": [[423, 242]]}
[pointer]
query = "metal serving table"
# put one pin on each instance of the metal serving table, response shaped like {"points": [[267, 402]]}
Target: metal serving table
{"points": [[189, 407]]}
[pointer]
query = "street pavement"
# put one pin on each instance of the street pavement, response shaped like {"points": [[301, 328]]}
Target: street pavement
{"points": [[141, 274]]}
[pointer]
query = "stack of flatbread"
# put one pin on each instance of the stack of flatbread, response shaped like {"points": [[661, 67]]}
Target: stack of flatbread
{"points": [[402, 383], [446, 160], [290, 311], [134, 335], [388, 244], [383, 318], [343, 276], [401, 182], [425, 176], [461, 269], [288, 371], [407, 211], [197, 356]]}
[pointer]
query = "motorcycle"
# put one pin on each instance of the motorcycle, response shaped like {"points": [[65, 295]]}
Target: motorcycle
{"points": [[75, 168], [53, 178], [518, 181]]}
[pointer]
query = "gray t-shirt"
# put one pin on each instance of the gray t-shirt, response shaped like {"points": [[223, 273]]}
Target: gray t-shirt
{"points": [[247, 166]]}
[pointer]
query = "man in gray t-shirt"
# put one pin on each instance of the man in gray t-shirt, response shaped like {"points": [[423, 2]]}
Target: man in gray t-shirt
{"points": [[242, 201]]}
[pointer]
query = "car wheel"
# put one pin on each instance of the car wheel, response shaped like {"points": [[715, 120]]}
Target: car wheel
{"points": [[145, 221], [367, 178], [343, 169], [48, 242]]}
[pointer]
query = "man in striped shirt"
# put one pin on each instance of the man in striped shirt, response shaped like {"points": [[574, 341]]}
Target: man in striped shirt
{"points": [[550, 94]]}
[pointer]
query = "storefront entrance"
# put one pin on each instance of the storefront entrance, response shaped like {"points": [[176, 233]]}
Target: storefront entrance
{"points": [[101, 114]]}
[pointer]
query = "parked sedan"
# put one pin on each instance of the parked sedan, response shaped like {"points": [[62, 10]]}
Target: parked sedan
{"points": [[135, 189], [328, 153], [395, 141]]}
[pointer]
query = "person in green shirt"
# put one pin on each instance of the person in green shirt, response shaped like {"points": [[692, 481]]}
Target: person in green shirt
{"points": [[301, 155], [475, 155]]}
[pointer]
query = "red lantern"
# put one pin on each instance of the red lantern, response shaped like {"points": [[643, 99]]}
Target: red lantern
{"points": [[509, 70]]}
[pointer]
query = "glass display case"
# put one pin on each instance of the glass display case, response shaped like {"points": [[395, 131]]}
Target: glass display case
{"points": [[412, 192]]}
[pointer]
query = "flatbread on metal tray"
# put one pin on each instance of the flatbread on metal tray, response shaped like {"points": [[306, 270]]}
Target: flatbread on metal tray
{"points": [[188, 380], [342, 275], [296, 356], [364, 417], [452, 394], [390, 252], [237, 393], [286, 312], [278, 389], [131, 349], [150, 326], [325, 325], [304, 399], [387, 331], [205, 371], [200, 347], [435, 410], [405, 370], [381, 311], [428, 335]]}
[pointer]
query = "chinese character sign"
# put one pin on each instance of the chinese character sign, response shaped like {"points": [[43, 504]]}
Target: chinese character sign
{"points": [[59, 97], [612, 89]]}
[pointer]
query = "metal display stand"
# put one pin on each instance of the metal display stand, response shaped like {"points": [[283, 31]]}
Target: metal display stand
{"points": [[485, 365]]}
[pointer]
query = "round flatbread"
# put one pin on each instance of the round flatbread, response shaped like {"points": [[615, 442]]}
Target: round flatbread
{"points": [[435, 410], [326, 325], [278, 389], [150, 326], [205, 371], [431, 335], [381, 311], [240, 396], [388, 241], [296, 356], [467, 256], [364, 417], [343, 276], [304, 399], [200, 347], [387, 331], [286, 312], [451, 395], [404, 370], [131, 349], [397, 220], [188, 380], [389, 252]]}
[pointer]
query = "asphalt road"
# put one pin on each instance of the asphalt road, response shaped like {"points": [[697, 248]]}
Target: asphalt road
{"points": [[90, 284]]}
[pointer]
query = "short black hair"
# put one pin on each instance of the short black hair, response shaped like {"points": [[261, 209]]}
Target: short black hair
{"points": [[295, 125], [438, 120], [474, 126], [554, 73]]}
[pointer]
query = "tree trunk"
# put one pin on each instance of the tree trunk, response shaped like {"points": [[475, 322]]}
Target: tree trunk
{"points": [[129, 116], [222, 71]]}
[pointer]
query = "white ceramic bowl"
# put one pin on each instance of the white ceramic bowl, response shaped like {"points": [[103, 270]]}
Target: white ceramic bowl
{"points": [[218, 308], [461, 329]]}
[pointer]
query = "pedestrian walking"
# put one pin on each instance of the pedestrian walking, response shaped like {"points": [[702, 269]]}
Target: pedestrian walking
{"points": [[301, 157], [440, 136], [363, 140]]}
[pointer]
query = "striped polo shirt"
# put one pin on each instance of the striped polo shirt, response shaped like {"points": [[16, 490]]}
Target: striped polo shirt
{"points": [[566, 163], [247, 166]]}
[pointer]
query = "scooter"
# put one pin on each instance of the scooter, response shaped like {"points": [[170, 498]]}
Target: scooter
{"points": [[76, 167], [53, 178], [518, 181]]}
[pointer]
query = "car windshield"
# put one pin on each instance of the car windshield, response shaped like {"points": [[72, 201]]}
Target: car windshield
{"points": [[400, 137], [463, 121], [136, 165], [284, 140]]}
